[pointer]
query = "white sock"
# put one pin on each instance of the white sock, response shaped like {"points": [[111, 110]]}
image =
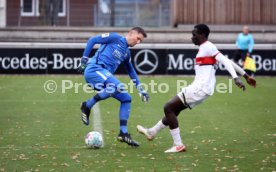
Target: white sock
{"points": [[176, 136], [158, 126]]}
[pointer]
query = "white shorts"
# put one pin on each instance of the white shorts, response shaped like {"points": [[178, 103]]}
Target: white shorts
{"points": [[191, 96]]}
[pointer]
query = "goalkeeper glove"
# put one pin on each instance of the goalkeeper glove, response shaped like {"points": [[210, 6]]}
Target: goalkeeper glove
{"points": [[83, 64], [239, 83], [143, 94]]}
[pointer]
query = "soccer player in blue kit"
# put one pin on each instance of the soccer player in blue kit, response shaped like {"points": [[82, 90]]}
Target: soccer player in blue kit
{"points": [[99, 70]]}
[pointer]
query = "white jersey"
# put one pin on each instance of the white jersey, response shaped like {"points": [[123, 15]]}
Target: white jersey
{"points": [[204, 83], [205, 79]]}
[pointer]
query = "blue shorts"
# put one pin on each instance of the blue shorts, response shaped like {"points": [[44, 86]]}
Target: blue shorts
{"points": [[96, 78]]}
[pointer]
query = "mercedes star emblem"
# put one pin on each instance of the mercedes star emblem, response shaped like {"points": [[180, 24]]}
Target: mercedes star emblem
{"points": [[146, 61]]}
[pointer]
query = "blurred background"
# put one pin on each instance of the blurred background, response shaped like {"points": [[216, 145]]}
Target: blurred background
{"points": [[96, 13], [125, 13], [62, 18], [67, 24]]}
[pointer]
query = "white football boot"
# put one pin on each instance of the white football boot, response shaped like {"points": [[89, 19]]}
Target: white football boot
{"points": [[175, 149], [145, 132]]}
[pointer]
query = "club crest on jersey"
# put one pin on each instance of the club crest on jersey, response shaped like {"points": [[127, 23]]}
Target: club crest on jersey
{"points": [[117, 54], [104, 35]]}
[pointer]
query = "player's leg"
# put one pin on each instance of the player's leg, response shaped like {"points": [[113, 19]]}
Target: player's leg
{"points": [[99, 81], [125, 99], [102, 82], [174, 106], [163, 123], [124, 113], [150, 133], [189, 97]]}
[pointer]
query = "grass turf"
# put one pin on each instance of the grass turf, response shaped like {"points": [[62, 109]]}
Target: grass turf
{"points": [[43, 132]]}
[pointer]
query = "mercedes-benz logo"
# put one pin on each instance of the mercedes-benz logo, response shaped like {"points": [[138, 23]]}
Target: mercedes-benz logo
{"points": [[146, 61]]}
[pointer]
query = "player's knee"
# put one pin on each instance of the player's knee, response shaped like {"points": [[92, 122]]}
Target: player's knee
{"points": [[97, 97], [167, 108], [124, 98]]}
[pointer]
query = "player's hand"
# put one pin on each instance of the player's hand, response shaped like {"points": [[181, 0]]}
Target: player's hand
{"points": [[143, 94], [83, 64], [250, 81], [239, 83]]}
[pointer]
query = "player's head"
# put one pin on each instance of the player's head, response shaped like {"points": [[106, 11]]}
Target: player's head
{"points": [[200, 34], [140, 30], [245, 30], [135, 36]]}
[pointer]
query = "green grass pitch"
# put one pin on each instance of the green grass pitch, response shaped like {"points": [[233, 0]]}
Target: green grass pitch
{"points": [[43, 132]]}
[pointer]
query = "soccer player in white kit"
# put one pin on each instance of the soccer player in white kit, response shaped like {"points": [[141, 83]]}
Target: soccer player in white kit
{"points": [[201, 88]]}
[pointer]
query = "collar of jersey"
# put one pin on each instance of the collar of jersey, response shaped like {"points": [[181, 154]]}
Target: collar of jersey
{"points": [[125, 41]]}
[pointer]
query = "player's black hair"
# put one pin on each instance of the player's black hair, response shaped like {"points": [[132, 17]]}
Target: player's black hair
{"points": [[203, 29], [140, 30]]}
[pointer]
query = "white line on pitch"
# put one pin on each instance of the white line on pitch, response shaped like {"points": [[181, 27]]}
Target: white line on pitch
{"points": [[97, 121]]}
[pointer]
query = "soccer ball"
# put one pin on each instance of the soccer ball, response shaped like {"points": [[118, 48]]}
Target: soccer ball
{"points": [[94, 140]]}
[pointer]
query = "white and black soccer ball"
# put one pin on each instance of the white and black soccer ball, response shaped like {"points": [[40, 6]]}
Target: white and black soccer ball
{"points": [[94, 140]]}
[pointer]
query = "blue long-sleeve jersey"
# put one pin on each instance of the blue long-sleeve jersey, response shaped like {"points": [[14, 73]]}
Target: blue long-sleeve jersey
{"points": [[245, 42], [112, 52]]}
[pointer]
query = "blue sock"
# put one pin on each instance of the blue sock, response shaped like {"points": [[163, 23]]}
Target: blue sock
{"points": [[91, 102], [124, 115]]}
